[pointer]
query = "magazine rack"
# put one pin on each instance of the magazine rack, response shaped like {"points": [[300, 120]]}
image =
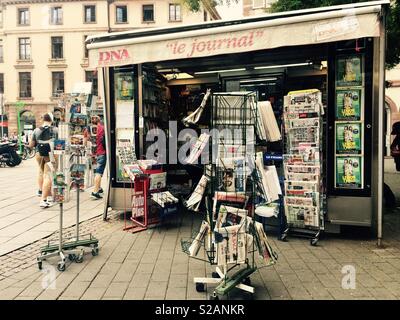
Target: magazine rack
{"points": [[304, 185], [72, 247], [229, 233]]}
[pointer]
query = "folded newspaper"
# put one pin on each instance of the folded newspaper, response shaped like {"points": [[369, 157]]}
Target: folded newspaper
{"points": [[196, 244], [164, 198], [194, 117], [198, 148], [264, 249], [193, 203]]}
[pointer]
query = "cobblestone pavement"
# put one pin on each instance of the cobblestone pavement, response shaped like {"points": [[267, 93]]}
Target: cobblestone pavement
{"points": [[151, 265], [22, 221]]}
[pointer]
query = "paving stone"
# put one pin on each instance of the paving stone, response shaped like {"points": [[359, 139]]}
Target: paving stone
{"points": [[156, 290], [116, 290], [174, 293], [136, 293], [93, 293], [140, 280], [75, 289]]}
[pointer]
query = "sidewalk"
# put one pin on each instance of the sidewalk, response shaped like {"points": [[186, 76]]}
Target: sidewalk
{"points": [[22, 221], [151, 265]]}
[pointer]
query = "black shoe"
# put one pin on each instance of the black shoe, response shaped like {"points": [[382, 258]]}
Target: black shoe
{"points": [[100, 190], [39, 193], [96, 195]]}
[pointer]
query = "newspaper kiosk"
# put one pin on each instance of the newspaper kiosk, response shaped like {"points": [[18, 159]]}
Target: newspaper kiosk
{"points": [[148, 77]]}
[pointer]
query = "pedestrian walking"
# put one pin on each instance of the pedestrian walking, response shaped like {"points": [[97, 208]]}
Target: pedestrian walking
{"points": [[395, 146], [101, 157], [42, 138]]}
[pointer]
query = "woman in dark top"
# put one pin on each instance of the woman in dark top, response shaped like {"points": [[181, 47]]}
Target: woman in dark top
{"points": [[395, 146]]}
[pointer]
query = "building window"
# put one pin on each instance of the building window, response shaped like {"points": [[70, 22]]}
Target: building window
{"points": [[57, 82], [175, 12], [1, 54], [122, 14], [23, 16], [91, 76], [57, 47], [1, 82], [56, 16], [90, 14], [24, 48], [25, 85], [148, 13]]}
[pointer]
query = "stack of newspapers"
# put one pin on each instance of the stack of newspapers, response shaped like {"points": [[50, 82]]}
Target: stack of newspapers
{"points": [[267, 126], [302, 161]]}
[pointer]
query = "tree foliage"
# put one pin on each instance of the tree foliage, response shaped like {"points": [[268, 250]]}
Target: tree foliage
{"points": [[393, 21]]}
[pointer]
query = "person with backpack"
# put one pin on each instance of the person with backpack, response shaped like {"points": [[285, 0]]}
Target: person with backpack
{"points": [[395, 146], [42, 139], [101, 157]]}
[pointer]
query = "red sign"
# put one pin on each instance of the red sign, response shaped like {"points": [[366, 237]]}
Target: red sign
{"points": [[107, 57]]}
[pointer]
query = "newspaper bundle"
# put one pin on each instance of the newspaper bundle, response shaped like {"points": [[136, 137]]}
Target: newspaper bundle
{"points": [[267, 126], [264, 248]]}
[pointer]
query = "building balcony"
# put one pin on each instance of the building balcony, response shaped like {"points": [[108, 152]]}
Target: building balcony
{"points": [[24, 64], [57, 63]]}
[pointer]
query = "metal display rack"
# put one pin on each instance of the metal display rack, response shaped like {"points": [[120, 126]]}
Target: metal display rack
{"points": [[304, 198], [228, 233], [72, 247]]}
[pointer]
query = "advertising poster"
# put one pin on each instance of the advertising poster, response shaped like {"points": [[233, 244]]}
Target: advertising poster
{"points": [[348, 138], [349, 172], [348, 105], [349, 71], [124, 86]]}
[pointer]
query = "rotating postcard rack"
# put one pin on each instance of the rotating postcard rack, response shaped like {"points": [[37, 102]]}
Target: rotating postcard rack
{"points": [[68, 150], [229, 234], [304, 184]]}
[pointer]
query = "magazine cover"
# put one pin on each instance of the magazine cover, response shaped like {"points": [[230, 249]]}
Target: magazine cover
{"points": [[348, 137], [232, 174], [349, 172], [348, 105], [349, 71], [124, 86], [59, 145]]}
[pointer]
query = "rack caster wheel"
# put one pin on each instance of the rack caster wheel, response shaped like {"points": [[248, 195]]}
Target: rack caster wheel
{"points": [[314, 242], [72, 257], [39, 265], [95, 251], [200, 287], [214, 297], [79, 259], [61, 266], [215, 275], [247, 281]]}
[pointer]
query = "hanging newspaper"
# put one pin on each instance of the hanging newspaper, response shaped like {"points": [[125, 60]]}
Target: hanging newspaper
{"points": [[194, 117], [196, 244], [193, 203], [302, 215], [197, 148], [264, 248], [234, 246]]}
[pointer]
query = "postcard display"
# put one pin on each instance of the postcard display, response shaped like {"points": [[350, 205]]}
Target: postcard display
{"points": [[349, 122], [304, 185], [229, 234], [69, 150]]}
